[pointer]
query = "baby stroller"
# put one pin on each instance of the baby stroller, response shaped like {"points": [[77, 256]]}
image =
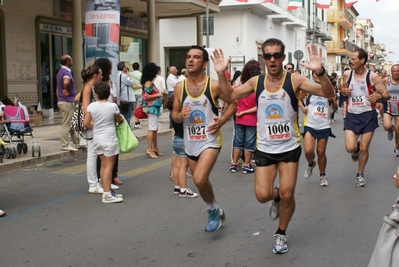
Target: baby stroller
{"points": [[14, 131]]}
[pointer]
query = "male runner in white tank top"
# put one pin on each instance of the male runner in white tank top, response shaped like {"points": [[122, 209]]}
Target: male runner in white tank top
{"points": [[195, 104], [278, 137], [391, 107], [363, 89]]}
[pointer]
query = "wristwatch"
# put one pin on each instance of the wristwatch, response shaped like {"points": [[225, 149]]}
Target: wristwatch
{"points": [[322, 72]]}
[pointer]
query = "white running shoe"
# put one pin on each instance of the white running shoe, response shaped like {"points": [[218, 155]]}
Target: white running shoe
{"points": [[360, 181], [280, 246], [111, 198], [309, 170], [323, 181], [97, 189]]}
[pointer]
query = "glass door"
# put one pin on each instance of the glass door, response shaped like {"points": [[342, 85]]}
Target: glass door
{"points": [[52, 47]]}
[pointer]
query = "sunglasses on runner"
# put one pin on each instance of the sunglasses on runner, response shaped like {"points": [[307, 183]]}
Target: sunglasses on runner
{"points": [[275, 55]]}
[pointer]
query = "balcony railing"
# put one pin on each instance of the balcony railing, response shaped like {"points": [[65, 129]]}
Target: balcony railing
{"points": [[337, 14], [343, 45]]}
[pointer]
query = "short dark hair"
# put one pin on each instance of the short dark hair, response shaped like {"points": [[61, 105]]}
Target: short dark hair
{"points": [[205, 55], [362, 54], [136, 66], [272, 42], [102, 90], [291, 64], [121, 65]]}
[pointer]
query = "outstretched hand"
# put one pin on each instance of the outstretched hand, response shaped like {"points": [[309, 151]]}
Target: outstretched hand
{"points": [[315, 62], [218, 61]]}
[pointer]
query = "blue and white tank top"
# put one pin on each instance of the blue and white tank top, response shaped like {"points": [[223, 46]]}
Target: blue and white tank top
{"points": [[318, 110], [203, 112], [278, 130]]}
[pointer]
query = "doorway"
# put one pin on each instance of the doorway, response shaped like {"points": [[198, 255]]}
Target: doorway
{"points": [[52, 47]]}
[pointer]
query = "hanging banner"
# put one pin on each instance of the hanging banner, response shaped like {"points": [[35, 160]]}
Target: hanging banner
{"points": [[102, 32]]}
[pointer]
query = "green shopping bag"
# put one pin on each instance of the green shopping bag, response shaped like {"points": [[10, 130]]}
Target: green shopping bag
{"points": [[127, 141]]}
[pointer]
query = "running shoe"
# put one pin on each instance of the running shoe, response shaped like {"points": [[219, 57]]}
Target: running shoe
{"points": [[111, 198], [323, 181], [280, 246], [188, 193], [390, 133], [355, 155], [360, 181], [248, 169], [309, 170], [233, 167], [215, 219], [396, 152], [274, 208]]}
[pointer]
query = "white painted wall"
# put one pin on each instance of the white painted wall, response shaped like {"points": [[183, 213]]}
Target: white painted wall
{"points": [[230, 26]]}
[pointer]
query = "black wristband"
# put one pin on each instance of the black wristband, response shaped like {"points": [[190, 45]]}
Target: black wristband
{"points": [[322, 72]]}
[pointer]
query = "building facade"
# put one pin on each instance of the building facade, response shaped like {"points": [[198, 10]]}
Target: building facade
{"points": [[35, 33], [239, 29]]}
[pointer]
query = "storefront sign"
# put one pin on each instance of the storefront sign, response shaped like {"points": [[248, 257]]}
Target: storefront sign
{"points": [[55, 28], [134, 24]]}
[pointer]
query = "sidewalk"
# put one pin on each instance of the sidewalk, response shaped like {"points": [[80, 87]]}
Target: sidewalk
{"points": [[47, 137]]}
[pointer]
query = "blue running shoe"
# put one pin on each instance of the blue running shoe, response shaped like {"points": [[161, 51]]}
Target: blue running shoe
{"points": [[280, 246], [215, 219]]}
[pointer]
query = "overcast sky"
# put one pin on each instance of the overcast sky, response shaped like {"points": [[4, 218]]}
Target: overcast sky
{"points": [[384, 16]]}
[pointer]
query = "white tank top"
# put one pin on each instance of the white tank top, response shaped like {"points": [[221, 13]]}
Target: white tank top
{"points": [[392, 105], [357, 101], [203, 112], [277, 128], [317, 117]]}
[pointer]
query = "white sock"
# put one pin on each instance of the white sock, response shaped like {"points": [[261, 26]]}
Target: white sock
{"points": [[107, 193], [177, 187], [212, 206], [183, 189]]}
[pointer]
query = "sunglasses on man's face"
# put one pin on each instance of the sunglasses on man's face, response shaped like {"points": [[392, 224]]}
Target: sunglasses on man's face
{"points": [[275, 55]]}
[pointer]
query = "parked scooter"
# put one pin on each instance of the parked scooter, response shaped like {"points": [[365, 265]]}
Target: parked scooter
{"points": [[104, 3]]}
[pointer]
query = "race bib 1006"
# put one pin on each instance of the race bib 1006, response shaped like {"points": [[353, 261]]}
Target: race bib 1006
{"points": [[278, 131]]}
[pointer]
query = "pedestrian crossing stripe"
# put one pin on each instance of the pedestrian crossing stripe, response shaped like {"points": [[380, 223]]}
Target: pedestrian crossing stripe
{"points": [[82, 167], [144, 169]]}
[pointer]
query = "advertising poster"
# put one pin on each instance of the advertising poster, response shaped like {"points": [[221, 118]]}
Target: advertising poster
{"points": [[102, 31]]}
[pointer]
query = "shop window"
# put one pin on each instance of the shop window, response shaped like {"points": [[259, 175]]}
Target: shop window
{"points": [[133, 50]]}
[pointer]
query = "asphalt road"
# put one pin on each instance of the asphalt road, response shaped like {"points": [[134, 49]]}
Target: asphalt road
{"points": [[53, 221]]}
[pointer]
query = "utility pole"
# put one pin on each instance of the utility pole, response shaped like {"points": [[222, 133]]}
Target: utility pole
{"points": [[207, 31]]}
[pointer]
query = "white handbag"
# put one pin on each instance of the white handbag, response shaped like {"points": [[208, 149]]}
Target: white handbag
{"points": [[386, 251]]}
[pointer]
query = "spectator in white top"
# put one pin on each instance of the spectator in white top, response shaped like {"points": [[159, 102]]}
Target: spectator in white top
{"points": [[183, 75], [124, 90], [172, 79], [135, 75]]}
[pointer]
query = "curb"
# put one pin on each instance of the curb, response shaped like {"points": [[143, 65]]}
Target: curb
{"points": [[26, 163]]}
